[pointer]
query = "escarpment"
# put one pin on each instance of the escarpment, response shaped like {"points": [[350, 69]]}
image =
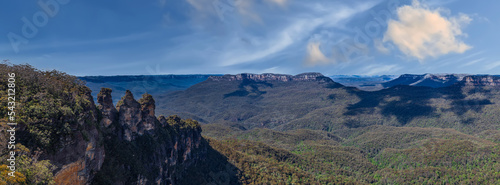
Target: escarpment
{"points": [[80, 154], [482, 80], [58, 137], [146, 149]]}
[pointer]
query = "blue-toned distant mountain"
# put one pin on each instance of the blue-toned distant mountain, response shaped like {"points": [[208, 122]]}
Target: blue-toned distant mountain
{"points": [[375, 83], [363, 82], [426, 80], [152, 84]]}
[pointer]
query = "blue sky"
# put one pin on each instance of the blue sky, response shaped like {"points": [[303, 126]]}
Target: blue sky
{"points": [[367, 37]]}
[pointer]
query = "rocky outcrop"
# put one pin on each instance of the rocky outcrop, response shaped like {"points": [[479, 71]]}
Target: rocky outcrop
{"points": [[130, 116], [482, 80], [147, 149], [136, 117], [106, 107], [271, 77], [147, 113]]}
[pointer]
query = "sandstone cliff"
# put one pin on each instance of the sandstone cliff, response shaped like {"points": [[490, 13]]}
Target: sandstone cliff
{"points": [[82, 153], [145, 149], [482, 80]]}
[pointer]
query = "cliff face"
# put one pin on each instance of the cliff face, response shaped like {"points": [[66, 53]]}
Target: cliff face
{"points": [[271, 77], [147, 149], [482, 80], [81, 155], [63, 138]]}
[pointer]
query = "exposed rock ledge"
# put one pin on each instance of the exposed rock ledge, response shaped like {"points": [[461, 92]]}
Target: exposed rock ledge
{"points": [[482, 80]]}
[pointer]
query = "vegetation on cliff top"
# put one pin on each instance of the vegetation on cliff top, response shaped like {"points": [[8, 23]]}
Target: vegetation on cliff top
{"points": [[51, 107]]}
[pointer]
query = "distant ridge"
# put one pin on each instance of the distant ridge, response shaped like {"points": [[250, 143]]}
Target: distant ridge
{"points": [[443, 80], [272, 77], [364, 82], [426, 80], [155, 85], [125, 78]]}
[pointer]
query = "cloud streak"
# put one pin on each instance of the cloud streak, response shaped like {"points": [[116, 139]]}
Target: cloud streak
{"points": [[378, 69], [294, 32]]}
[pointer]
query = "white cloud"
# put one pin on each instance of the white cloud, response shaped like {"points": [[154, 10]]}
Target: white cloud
{"points": [[422, 32], [314, 54]]}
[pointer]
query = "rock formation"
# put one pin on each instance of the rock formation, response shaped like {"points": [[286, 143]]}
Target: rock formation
{"points": [[482, 80], [106, 107], [161, 148], [129, 115]]}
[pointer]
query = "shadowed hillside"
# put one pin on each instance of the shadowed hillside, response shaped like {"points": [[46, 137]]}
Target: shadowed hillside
{"points": [[281, 103], [400, 135]]}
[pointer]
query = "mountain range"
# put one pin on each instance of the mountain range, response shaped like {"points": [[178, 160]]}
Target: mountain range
{"points": [[312, 100], [253, 129], [163, 84]]}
